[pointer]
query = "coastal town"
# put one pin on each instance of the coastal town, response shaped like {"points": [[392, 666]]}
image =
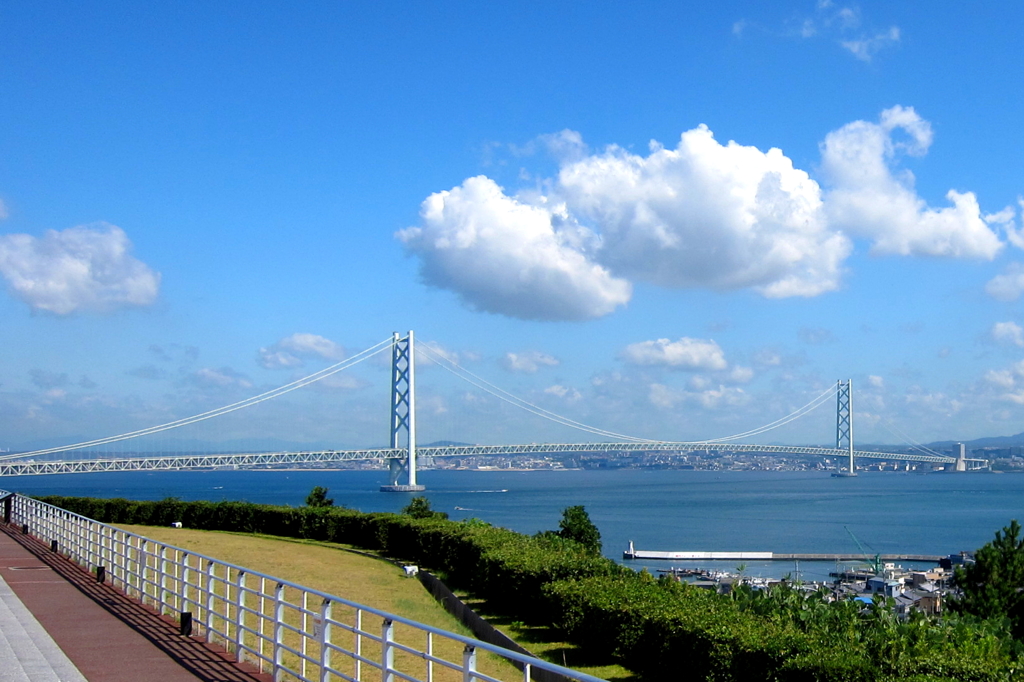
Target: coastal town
{"points": [[866, 579], [1005, 459]]}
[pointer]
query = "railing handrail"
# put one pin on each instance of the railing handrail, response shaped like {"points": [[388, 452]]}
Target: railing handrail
{"points": [[510, 654]]}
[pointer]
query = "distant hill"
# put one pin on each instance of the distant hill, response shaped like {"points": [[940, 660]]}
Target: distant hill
{"points": [[986, 442]]}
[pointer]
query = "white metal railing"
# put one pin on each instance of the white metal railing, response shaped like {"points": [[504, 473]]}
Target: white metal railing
{"points": [[292, 631]]}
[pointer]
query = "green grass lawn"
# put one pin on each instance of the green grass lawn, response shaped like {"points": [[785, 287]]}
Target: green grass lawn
{"points": [[338, 570]]}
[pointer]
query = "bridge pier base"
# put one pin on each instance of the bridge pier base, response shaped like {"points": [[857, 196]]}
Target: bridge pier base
{"points": [[397, 467], [402, 488]]}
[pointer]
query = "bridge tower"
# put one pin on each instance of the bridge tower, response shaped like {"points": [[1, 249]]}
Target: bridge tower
{"points": [[844, 423], [403, 415]]}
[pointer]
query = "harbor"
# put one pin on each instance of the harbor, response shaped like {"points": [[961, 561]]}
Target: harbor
{"points": [[632, 553], [910, 589]]}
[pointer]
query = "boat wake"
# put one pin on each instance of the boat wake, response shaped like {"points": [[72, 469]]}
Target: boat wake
{"points": [[475, 492]]}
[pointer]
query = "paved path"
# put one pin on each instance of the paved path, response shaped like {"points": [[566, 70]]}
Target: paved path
{"points": [[58, 624], [27, 652]]}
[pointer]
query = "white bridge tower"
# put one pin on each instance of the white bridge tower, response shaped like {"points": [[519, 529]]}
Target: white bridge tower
{"points": [[403, 415], [844, 423]]}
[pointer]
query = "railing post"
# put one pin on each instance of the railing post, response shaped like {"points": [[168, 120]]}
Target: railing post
{"points": [[430, 653], [468, 663], [210, 604], [163, 578], [186, 573], [323, 635], [387, 652], [131, 553], [304, 629], [359, 644], [106, 550], [117, 559], [239, 616], [278, 630], [94, 556]]}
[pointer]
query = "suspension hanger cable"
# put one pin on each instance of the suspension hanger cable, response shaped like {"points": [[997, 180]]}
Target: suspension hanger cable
{"points": [[500, 393], [814, 404], [523, 404], [226, 409], [894, 430]]}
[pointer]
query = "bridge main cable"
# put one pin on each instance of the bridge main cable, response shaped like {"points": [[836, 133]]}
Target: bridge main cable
{"points": [[226, 409]]}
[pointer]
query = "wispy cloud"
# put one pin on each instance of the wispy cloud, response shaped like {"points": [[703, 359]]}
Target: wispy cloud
{"points": [[292, 351], [865, 48], [840, 24], [528, 362]]}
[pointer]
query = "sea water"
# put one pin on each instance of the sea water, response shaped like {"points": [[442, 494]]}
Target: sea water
{"points": [[666, 510]]}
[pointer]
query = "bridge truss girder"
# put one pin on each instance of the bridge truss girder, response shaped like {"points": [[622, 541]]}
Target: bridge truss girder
{"points": [[264, 459]]}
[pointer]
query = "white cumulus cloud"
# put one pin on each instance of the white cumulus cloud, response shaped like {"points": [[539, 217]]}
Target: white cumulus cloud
{"points": [[504, 256], [1007, 286], [1009, 380], [1006, 221], [707, 215], [700, 215], [81, 269], [291, 351], [1008, 332], [528, 362], [868, 199], [686, 353]]}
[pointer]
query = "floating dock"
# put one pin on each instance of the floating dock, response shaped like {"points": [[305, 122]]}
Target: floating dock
{"points": [[632, 553]]}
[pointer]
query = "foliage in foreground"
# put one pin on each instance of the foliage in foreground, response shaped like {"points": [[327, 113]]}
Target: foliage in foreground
{"points": [[659, 628], [419, 508], [576, 525], [993, 586], [318, 497]]}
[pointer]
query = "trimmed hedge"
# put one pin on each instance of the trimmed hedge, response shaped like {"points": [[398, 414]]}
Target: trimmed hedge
{"points": [[664, 628], [507, 568], [659, 628]]}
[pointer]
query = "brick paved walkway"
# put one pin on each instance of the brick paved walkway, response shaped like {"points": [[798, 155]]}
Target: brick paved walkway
{"points": [[104, 634]]}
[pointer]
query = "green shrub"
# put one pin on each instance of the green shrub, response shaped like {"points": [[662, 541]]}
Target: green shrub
{"points": [[661, 629]]}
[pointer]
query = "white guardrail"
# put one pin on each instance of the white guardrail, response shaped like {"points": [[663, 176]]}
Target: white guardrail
{"points": [[292, 631]]}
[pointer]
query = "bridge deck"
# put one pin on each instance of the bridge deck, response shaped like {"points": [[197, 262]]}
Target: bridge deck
{"points": [[12, 467]]}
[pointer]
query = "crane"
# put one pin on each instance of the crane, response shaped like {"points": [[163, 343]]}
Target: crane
{"points": [[875, 562]]}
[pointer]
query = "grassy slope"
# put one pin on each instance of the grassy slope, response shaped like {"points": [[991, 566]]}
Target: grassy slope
{"points": [[323, 567], [362, 579]]}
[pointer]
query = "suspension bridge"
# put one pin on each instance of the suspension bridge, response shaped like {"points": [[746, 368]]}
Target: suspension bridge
{"points": [[402, 454]]}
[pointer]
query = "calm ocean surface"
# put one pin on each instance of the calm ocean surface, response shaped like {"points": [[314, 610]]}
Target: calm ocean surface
{"points": [[658, 510]]}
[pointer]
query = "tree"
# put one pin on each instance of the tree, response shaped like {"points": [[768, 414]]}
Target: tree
{"points": [[576, 525], [993, 586], [318, 498], [419, 508]]}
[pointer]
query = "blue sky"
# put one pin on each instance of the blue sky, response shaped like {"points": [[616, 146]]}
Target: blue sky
{"points": [[668, 221]]}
